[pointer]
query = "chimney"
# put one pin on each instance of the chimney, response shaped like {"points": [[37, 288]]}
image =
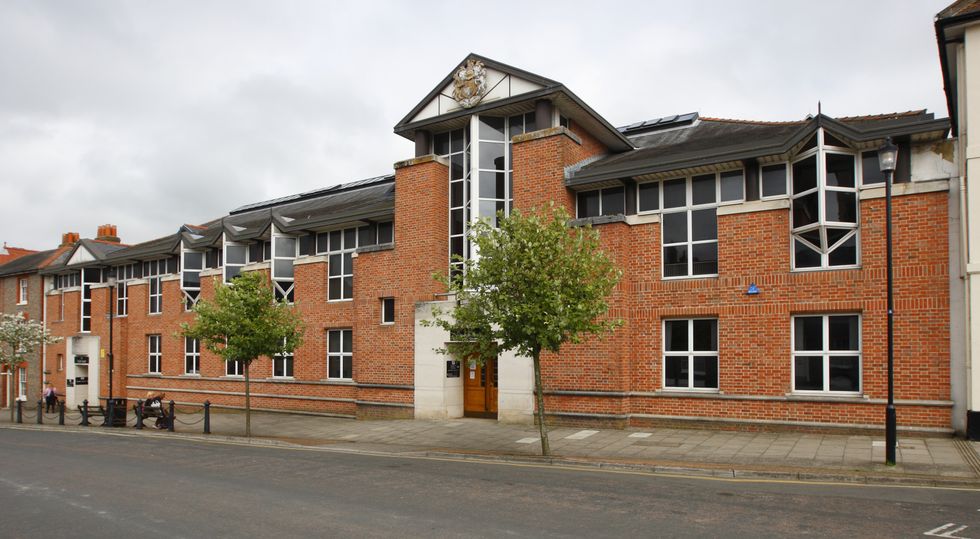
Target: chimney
{"points": [[68, 238], [107, 233]]}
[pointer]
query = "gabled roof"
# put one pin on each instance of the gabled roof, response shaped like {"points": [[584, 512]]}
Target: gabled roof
{"points": [[570, 104], [711, 141], [98, 250], [148, 250], [29, 263], [8, 253]]}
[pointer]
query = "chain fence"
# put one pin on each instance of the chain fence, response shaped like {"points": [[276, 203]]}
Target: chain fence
{"points": [[97, 415]]}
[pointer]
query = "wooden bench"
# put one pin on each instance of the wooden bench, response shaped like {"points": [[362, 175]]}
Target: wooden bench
{"points": [[150, 412]]}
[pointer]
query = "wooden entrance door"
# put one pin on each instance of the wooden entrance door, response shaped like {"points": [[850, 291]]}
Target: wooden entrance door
{"points": [[480, 389]]}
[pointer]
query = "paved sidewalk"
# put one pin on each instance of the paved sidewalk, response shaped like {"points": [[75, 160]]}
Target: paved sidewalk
{"points": [[814, 456]]}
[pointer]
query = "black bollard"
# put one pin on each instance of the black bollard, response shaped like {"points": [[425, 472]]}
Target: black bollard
{"points": [[20, 411], [171, 426], [61, 413], [108, 414], [40, 412], [139, 414], [207, 417], [84, 422]]}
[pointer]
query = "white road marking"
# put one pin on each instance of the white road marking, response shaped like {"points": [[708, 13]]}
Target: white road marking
{"points": [[938, 532], [528, 440], [581, 435], [640, 435]]}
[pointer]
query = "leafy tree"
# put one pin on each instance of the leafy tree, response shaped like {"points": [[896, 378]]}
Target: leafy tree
{"points": [[245, 322], [19, 337], [536, 285]]}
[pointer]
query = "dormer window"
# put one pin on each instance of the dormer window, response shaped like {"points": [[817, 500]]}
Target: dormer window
{"points": [[824, 205]]}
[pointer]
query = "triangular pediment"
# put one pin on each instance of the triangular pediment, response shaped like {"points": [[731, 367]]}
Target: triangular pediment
{"points": [[80, 256], [500, 81]]}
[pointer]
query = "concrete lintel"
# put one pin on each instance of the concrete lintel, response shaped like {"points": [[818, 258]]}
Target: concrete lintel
{"points": [[420, 160], [549, 132]]}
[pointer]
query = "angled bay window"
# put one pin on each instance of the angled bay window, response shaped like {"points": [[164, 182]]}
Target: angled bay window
{"points": [[608, 201], [827, 353], [191, 264], [283, 254], [824, 205]]}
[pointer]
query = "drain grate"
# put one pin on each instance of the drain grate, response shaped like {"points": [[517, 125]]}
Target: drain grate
{"points": [[969, 455]]}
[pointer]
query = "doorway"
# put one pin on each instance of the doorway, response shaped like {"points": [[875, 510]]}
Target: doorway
{"points": [[480, 389]]}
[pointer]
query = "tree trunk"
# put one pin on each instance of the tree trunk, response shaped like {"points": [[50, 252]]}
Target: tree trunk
{"points": [[248, 405], [539, 392]]}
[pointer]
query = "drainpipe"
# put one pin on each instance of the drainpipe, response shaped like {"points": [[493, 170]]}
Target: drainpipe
{"points": [[44, 324]]}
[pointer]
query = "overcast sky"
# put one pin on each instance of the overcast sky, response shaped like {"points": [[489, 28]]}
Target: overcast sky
{"points": [[153, 114]]}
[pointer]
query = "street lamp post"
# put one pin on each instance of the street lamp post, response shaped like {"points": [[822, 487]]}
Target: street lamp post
{"points": [[887, 157], [110, 413]]}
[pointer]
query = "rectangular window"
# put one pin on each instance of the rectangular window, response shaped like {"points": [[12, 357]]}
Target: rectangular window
{"points": [[61, 362], [156, 295], [732, 186], [234, 258], [22, 291], [283, 254], [870, 173], [192, 356], [689, 226], [648, 196], [155, 354], [191, 265], [387, 310], [122, 298], [827, 353], [235, 367], [282, 366], [691, 354], [339, 354], [773, 178], [22, 384], [609, 201], [340, 285], [152, 271]]}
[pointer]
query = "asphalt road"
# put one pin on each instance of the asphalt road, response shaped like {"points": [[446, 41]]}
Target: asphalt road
{"points": [[90, 485]]}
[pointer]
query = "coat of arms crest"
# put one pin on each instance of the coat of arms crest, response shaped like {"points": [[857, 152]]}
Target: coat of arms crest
{"points": [[470, 83]]}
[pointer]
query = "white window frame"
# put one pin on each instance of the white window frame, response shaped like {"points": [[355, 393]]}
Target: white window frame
{"points": [[191, 294], [384, 311], [820, 154], [22, 383], [154, 356], [22, 289], [61, 362], [238, 371], [194, 355], [344, 250], [826, 354], [224, 258], [122, 299], [286, 360], [689, 208], [690, 354], [284, 285], [340, 355], [786, 180]]}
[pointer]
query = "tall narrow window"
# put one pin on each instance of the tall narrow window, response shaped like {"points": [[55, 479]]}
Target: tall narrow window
{"points": [[234, 258], [455, 146], [192, 356], [282, 365], [191, 264], [689, 226], [387, 310], [122, 298], [691, 354], [824, 207], [339, 354], [22, 384], [340, 266], [283, 255], [22, 291], [827, 353], [61, 362], [154, 353], [90, 276]]}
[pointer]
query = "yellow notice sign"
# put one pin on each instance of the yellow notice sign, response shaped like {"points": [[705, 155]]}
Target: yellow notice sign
{"points": [[102, 353]]}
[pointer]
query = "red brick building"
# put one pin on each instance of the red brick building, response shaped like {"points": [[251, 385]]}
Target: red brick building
{"points": [[753, 256]]}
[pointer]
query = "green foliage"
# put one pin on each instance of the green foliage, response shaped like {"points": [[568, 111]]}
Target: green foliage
{"points": [[537, 285], [245, 322]]}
